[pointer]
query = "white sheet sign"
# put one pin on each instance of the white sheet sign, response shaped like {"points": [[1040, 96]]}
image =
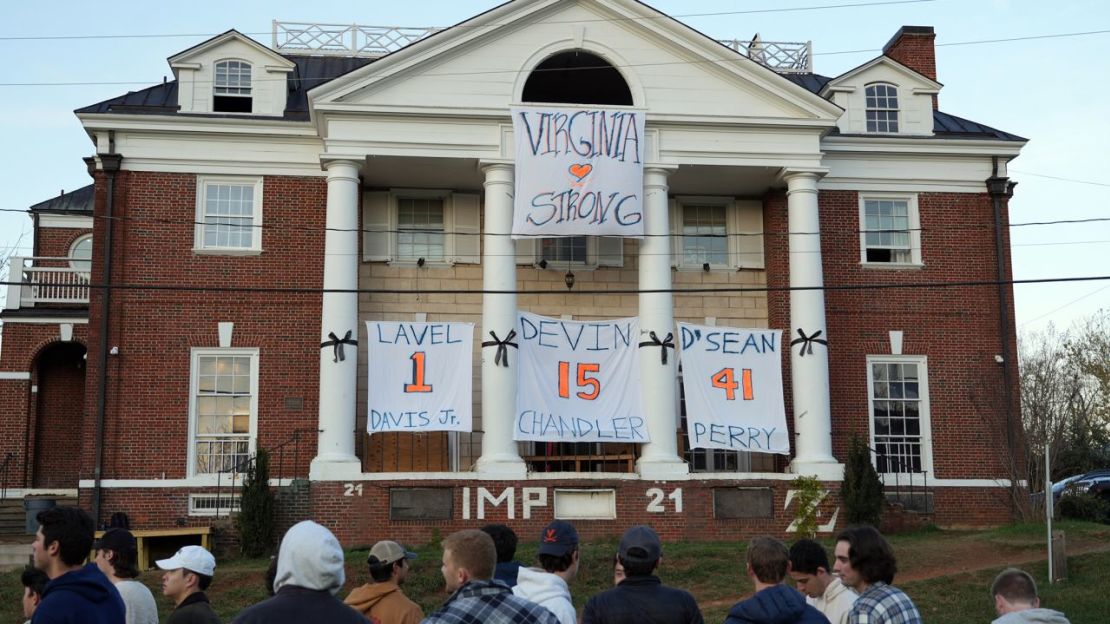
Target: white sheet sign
{"points": [[579, 171], [420, 376], [732, 379], [578, 381]]}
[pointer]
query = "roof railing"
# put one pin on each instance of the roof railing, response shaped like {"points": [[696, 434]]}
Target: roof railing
{"points": [[376, 41]]}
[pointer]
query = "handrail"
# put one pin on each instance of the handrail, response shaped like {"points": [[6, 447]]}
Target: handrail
{"points": [[244, 464], [4, 475]]}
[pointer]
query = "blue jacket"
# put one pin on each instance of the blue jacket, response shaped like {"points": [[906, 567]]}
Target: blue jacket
{"points": [[642, 600], [83, 596], [506, 572], [775, 605]]}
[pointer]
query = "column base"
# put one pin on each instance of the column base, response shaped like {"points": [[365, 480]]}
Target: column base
{"points": [[335, 467], [662, 469], [823, 470], [504, 467]]}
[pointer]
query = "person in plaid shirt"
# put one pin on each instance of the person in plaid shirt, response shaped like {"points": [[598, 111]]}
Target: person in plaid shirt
{"points": [[469, 558], [865, 562]]}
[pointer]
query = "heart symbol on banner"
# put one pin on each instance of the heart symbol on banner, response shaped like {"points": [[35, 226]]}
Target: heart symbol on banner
{"points": [[581, 171]]}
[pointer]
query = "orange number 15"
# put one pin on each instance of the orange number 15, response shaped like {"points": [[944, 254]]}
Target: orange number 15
{"points": [[583, 380]]}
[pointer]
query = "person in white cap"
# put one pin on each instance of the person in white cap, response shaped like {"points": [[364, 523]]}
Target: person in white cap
{"points": [[382, 598], [188, 573], [309, 573]]}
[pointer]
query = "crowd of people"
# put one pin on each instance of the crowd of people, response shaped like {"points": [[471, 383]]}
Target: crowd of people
{"points": [[485, 584]]}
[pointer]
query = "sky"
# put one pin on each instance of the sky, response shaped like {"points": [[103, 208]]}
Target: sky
{"points": [[1050, 89]]}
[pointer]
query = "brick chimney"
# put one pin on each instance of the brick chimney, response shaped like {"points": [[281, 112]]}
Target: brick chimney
{"points": [[912, 46]]}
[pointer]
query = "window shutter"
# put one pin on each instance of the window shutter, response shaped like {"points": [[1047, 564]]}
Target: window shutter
{"points": [[610, 251], [748, 217], [674, 210], [466, 228], [377, 226], [526, 251]]}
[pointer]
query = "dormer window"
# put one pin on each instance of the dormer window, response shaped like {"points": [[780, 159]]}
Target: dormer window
{"points": [[231, 91], [882, 107]]}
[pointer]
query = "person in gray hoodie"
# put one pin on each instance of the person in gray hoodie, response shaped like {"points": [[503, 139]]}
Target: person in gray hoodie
{"points": [[1016, 602], [548, 585], [309, 573]]}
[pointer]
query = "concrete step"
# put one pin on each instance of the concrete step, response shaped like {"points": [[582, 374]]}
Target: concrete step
{"points": [[15, 556]]}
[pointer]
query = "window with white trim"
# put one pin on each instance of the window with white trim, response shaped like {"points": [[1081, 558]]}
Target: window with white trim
{"points": [[898, 405], [716, 233], [80, 255], [223, 408], [421, 227], [229, 214], [569, 250], [881, 107], [889, 230], [231, 90]]}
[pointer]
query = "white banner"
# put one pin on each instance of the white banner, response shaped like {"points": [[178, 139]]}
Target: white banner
{"points": [[420, 376], [578, 381], [732, 379], [579, 171]]}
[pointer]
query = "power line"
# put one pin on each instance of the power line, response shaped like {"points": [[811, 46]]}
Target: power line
{"points": [[583, 291], [462, 26], [736, 58], [1068, 304], [304, 228], [1062, 179]]}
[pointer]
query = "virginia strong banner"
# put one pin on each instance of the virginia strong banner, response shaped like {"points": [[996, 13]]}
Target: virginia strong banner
{"points": [[578, 381], [419, 376], [579, 171], [732, 380]]}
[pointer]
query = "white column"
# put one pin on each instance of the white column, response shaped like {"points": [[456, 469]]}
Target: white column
{"points": [[335, 449], [500, 458], [809, 370], [659, 458]]}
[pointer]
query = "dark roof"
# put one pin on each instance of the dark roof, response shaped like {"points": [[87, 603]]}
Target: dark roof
{"points": [[310, 72], [80, 200], [313, 71], [945, 125]]}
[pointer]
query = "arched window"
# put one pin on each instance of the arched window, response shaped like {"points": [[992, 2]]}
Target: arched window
{"points": [[231, 91], [577, 77], [574, 77], [80, 255], [882, 107]]}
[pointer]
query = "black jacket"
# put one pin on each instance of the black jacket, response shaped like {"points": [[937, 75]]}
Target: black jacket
{"points": [[775, 605], [300, 605], [193, 610], [642, 600]]}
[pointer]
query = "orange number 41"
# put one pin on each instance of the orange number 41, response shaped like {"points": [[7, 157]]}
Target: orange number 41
{"points": [[725, 379]]}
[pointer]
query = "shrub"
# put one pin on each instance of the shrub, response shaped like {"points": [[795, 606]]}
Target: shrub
{"points": [[862, 490], [1084, 506], [809, 494], [256, 508]]}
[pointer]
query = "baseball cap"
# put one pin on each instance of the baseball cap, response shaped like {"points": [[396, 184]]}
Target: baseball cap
{"points": [[558, 539], [386, 551], [119, 540], [640, 544], [192, 558]]}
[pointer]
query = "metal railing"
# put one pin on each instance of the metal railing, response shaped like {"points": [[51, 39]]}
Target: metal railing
{"points": [[375, 41], [4, 468], [906, 489], [279, 469], [46, 280]]}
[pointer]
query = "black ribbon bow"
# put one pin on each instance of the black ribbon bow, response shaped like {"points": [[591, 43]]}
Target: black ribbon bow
{"points": [[666, 343], [502, 356], [807, 342], [337, 344]]}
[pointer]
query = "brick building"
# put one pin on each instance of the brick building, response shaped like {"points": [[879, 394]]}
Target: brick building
{"points": [[268, 197]]}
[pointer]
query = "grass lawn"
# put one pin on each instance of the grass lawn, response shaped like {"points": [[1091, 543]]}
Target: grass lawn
{"points": [[943, 571]]}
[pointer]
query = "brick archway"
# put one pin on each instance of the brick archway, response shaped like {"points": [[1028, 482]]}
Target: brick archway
{"points": [[59, 408]]}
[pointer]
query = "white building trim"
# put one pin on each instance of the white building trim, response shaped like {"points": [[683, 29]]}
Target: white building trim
{"points": [[77, 222]]}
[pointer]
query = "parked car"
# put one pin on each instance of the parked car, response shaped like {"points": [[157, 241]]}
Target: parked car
{"points": [[1095, 482]]}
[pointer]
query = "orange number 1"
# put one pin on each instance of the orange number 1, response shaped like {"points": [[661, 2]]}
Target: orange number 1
{"points": [[418, 384], [725, 379]]}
